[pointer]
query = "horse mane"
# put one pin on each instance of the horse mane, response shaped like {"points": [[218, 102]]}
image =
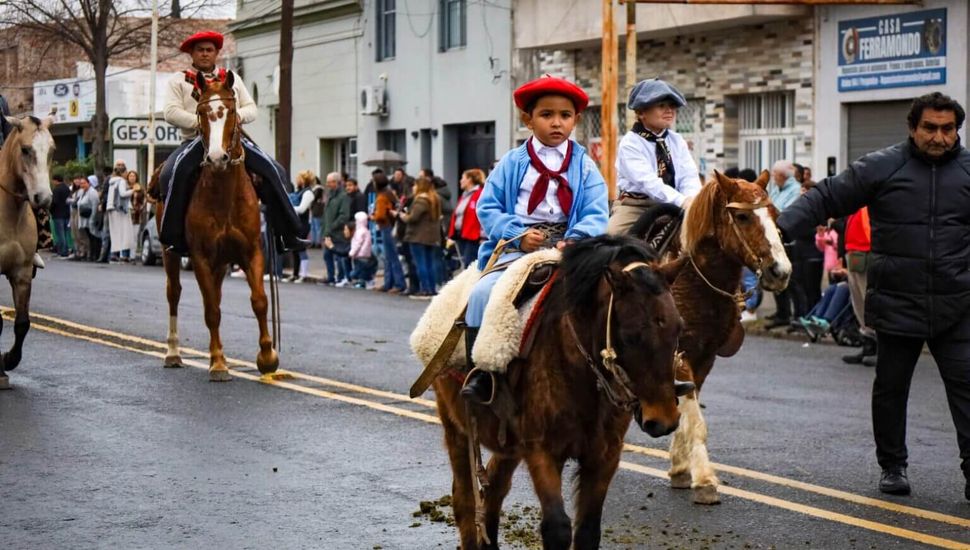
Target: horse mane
{"points": [[586, 262], [699, 220]]}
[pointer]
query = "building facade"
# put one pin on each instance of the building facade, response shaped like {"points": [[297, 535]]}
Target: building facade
{"points": [[746, 72], [326, 39], [440, 70], [872, 61], [428, 79]]}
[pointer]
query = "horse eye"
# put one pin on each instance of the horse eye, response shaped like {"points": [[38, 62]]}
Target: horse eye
{"points": [[25, 151], [743, 217]]}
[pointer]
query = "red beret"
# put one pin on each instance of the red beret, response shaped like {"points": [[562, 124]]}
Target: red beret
{"points": [[550, 85], [202, 36]]}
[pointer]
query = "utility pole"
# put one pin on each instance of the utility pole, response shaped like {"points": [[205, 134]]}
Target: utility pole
{"points": [[153, 71], [608, 133], [284, 120]]}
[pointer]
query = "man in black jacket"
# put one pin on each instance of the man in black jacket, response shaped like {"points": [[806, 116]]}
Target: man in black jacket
{"points": [[918, 194]]}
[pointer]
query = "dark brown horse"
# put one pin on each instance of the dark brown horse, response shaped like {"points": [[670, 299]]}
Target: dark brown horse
{"points": [[222, 228], [608, 295], [729, 225], [25, 162]]}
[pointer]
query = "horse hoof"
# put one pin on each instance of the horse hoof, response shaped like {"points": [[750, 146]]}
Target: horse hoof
{"points": [[219, 375], [268, 366], [680, 481], [4, 383], [173, 362], [706, 494]]}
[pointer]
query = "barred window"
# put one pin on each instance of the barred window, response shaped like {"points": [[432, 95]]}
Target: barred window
{"points": [[766, 129]]}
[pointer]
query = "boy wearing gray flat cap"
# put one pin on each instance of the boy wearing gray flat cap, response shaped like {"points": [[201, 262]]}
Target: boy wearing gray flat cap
{"points": [[653, 163]]}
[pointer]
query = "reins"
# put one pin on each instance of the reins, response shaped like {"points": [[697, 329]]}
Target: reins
{"points": [[739, 297], [620, 390]]}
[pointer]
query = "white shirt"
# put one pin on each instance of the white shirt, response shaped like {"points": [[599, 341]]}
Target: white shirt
{"points": [[180, 106], [549, 210], [636, 169]]}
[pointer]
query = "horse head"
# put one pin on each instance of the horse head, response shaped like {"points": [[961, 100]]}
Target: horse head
{"points": [[219, 123], [741, 218], [27, 153], [616, 287]]}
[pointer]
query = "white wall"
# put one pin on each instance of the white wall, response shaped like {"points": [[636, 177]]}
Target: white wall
{"points": [[831, 125], [324, 85], [430, 89]]}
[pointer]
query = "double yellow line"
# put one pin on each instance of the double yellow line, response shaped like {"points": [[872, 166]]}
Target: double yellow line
{"points": [[401, 405]]}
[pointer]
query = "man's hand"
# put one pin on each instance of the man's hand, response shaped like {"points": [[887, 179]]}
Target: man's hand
{"points": [[532, 241], [564, 243]]}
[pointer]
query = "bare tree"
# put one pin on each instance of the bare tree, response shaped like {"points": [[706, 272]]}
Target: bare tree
{"points": [[102, 30]]}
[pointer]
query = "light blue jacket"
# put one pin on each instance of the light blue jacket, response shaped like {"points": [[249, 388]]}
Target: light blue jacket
{"points": [[782, 198], [496, 206]]}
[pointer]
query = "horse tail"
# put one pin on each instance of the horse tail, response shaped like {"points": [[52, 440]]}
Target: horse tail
{"points": [[645, 222]]}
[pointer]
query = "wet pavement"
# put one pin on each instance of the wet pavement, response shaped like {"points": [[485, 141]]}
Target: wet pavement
{"points": [[102, 448]]}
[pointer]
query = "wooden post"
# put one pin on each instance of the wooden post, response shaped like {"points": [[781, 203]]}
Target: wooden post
{"points": [[610, 59], [284, 121], [631, 57]]}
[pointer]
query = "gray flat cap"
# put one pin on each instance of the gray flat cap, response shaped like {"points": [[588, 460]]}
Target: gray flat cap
{"points": [[652, 90]]}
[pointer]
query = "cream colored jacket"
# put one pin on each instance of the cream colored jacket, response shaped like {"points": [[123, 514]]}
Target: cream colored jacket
{"points": [[180, 106]]}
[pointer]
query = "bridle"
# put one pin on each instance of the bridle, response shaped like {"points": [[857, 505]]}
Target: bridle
{"points": [[619, 389], [236, 132], [757, 261]]}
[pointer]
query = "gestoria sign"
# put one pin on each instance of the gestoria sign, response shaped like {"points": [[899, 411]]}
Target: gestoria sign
{"points": [[134, 132]]}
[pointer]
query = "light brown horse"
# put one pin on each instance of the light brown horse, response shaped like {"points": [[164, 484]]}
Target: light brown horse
{"points": [[729, 225], [608, 296], [24, 182], [221, 228]]}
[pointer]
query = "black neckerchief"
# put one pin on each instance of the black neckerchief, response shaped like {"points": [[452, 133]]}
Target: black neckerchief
{"points": [[665, 163]]}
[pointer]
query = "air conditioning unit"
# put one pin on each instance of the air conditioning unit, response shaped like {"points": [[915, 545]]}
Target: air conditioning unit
{"points": [[373, 101]]}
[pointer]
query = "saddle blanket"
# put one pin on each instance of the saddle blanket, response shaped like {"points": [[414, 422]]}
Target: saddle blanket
{"points": [[503, 325]]}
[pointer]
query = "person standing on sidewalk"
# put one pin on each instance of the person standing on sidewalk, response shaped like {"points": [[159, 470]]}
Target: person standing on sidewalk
{"points": [[61, 215], [918, 284]]}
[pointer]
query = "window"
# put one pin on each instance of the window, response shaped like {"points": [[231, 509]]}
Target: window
{"points": [[386, 29], [452, 24], [393, 140], [690, 126], [766, 129]]}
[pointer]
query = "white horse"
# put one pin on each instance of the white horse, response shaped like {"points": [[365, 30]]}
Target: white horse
{"points": [[25, 161]]}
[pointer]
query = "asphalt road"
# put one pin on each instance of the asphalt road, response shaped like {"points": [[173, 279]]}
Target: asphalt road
{"points": [[102, 448]]}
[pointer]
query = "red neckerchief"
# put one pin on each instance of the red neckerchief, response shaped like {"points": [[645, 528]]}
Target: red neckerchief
{"points": [[563, 192], [190, 77]]}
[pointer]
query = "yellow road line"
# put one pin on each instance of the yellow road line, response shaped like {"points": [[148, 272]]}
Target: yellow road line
{"points": [[816, 512], [747, 495], [231, 361], [818, 489]]}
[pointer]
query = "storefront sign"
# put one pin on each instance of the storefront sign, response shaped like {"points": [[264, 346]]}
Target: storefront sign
{"points": [[133, 132], [893, 51], [73, 99]]}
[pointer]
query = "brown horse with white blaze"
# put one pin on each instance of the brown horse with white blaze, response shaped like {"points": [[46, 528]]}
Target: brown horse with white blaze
{"points": [[221, 228], [604, 353], [24, 183], [729, 225]]}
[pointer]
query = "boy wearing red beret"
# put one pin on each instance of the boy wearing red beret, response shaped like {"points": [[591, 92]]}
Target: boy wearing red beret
{"points": [[546, 192]]}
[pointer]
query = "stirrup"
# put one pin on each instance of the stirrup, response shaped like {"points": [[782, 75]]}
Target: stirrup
{"points": [[471, 395], [38, 261]]}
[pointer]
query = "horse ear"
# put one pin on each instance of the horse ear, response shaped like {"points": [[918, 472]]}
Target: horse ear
{"points": [[200, 81], [49, 119], [669, 271], [230, 79], [15, 122], [763, 179], [725, 183]]}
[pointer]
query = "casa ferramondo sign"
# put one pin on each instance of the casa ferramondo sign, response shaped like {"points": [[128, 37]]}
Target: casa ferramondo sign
{"points": [[893, 51]]}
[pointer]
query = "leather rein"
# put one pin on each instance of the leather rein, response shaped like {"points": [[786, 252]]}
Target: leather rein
{"points": [[236, 132], [619, 390], [737, 296]]}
